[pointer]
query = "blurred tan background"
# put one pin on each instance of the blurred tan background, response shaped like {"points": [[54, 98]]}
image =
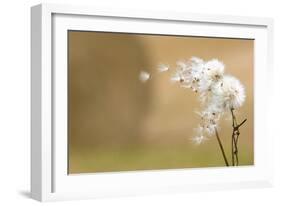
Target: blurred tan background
{"points": [[117, 123]]}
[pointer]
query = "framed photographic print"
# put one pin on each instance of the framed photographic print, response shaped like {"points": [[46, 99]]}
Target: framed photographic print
{"points": [[137, 102]]}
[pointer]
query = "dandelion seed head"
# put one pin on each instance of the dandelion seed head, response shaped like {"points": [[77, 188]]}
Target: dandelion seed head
{"points": [[214, 69], [217, 92], [232, 92], [209, 122], [190, 73]]}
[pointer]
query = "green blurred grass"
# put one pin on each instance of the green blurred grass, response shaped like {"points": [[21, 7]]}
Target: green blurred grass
{"points": [[153, 157]]}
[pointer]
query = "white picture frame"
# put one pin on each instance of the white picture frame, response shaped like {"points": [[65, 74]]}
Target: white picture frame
{"points": [[49, 178]]}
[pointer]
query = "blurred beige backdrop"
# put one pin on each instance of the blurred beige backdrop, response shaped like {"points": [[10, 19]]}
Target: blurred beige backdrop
{"points": [[117, 123]]}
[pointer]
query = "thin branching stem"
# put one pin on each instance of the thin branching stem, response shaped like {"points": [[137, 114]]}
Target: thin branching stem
{"points": [[235, 136], [241, 123]]}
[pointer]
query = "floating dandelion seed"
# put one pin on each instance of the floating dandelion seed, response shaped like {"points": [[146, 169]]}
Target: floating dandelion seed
{"points": [[198, 139], [163, 68], [144, 76]]}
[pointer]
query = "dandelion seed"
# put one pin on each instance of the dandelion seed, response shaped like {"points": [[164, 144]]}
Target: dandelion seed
{"points": [[144, 76], [196, 60], [182, 65], [216, 66], [185, 86], [163, 68], [175, 78], [199, 139]]}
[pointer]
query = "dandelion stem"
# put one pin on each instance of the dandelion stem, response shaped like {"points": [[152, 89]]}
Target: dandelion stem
{"points": [[232, 138], [232, 149], [221, 147]]}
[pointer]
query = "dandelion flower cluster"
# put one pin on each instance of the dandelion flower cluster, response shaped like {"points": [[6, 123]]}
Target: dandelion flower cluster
{"points": [[218, 93]]}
